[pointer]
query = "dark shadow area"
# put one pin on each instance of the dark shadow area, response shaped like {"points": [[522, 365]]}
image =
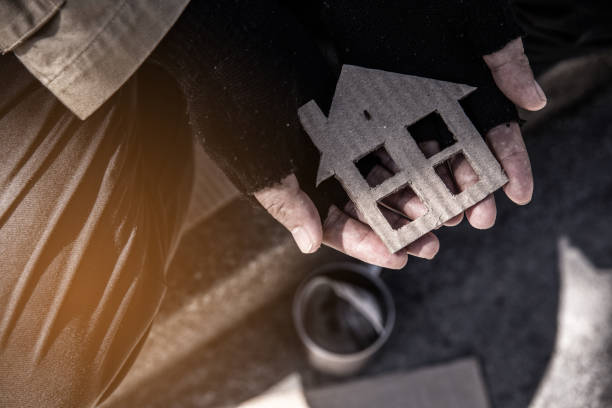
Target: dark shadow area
{"points": [[453, 164], [566, 30], [431, 127], [394, 216], [367, 162]]}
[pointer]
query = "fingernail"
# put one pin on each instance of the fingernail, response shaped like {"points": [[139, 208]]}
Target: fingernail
{"points": [[540, 91], [302, 239]]}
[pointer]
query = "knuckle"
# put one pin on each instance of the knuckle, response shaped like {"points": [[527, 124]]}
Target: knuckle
{"points": [[361, 242], [278, 208], [518, 62], [333, 216], [468, 179], [522, 60]]}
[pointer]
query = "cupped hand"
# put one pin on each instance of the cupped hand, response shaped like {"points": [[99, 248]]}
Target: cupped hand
{"points": [[343, 230], [513, 76]]}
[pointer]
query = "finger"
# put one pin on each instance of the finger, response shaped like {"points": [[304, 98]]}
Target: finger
{"points": [[430, 148], [387, 161], [507, 143], [410, 205], [512, 74], [426, 246], [289, 205], [355, 239], [404, 200], [482, 215]]}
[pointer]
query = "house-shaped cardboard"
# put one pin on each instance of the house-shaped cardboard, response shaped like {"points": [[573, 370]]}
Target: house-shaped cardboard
{"points": [[373, 109]]}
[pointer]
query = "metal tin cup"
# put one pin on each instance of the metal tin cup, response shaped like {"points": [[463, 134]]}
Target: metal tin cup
{"points": [[343, 314]]}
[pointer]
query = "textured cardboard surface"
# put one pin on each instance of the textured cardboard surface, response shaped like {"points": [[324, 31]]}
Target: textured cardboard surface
{"points": [[393, 102], [455, 385]]}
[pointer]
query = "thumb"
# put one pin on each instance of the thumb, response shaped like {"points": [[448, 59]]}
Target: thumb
{"points": [[290, 206], [512, 74]]}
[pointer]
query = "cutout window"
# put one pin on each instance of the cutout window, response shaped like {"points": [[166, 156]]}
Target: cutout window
{"points": [[377, 167], [457, 173], [431, 128], [402, 207]]}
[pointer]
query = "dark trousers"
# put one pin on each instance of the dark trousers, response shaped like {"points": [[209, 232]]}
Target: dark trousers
{"points": [[90, 213]]}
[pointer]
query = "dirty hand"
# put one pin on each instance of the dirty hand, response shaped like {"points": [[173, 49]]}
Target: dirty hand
{"points": [[512, 74], [342, 230]]}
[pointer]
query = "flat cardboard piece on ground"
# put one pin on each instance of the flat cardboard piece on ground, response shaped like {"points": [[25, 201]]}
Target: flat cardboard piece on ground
{"points": [[373, 108], [455, 385], [286, 394]]}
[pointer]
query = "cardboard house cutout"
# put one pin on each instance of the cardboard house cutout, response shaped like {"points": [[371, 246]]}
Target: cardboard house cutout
{"points": [[373, 109]]}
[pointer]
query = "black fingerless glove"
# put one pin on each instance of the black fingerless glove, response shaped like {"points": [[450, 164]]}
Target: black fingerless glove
{"points": [[247, 66]]}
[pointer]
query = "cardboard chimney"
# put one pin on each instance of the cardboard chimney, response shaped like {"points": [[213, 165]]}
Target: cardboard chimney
{"points": [[373, 109]]}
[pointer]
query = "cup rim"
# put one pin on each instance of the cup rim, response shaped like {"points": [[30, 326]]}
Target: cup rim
{"points": [[301, 297]]}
